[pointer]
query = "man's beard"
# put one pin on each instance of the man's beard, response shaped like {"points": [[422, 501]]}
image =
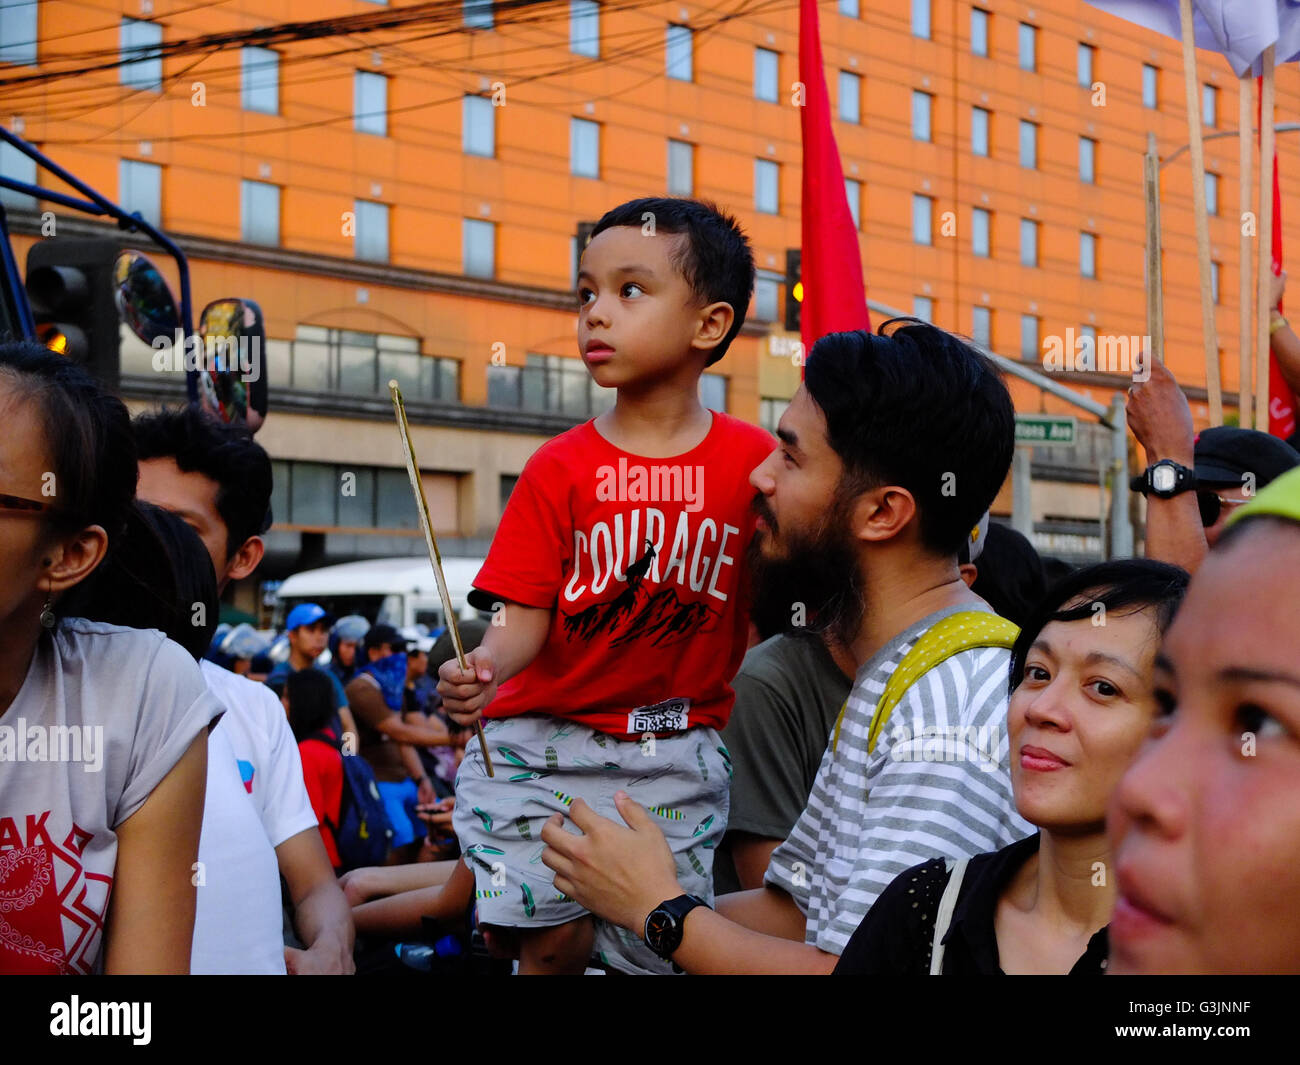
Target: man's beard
{"points": [[815, 586]]}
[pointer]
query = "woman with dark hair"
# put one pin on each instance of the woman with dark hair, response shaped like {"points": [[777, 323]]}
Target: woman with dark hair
{"points": [[103, 729], [1081, 705]]}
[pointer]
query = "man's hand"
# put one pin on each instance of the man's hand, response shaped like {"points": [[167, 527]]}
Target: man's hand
{"points": [[618, 873], [465, 692], [437, 813], [425, 795], [318, 962], [1160, 418]]}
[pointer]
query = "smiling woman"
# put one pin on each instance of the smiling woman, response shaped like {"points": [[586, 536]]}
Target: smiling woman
{"points": [[1081, 705]]}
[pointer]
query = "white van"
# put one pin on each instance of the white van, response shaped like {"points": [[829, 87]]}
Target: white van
{"points": [[398, 591]]}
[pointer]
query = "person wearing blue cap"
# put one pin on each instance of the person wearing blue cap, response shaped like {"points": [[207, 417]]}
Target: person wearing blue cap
{"points": [[307, 627]]}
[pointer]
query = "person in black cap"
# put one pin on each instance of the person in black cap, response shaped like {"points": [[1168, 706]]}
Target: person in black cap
{"points": [[1193, 484]]}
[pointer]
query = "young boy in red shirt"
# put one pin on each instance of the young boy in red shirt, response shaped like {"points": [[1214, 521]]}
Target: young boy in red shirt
{"points": [[309, 701], [618, 583]]}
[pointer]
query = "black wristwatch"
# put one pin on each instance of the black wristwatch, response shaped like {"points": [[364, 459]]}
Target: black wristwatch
{"points": [[663, 928], [1164, 480]]}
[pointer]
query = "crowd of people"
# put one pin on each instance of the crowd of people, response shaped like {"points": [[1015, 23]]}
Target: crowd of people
{"points": [[751, 706]]}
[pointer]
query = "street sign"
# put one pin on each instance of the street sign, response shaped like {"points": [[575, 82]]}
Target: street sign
{"points": [[1045, 429]]}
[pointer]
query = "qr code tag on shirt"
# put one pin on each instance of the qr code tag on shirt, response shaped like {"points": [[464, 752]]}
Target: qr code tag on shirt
{"points": [[668, 716]]}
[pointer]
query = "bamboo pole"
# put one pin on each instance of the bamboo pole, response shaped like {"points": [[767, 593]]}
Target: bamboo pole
{"points": [[1265, 238], [1246, 288], [1193, 85], [1155, 282]]}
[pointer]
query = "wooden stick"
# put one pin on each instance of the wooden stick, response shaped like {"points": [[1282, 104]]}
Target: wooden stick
{"points": [[1246, 149], [422, 506], [1193, 86], [1155, 280], [1265, 239]]}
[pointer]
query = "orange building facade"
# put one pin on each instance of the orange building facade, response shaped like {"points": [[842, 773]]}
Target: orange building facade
{"points": [[401, 189]]}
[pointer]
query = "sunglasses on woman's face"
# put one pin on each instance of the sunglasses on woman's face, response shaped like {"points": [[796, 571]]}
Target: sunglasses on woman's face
{"points": [[1212, 504], [19, 505]]}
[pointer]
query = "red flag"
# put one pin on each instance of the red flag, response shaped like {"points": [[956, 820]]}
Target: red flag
{"points": [[1281, 402], [834, 295]]}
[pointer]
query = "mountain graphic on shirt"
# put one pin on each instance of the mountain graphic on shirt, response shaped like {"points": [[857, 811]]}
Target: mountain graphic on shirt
{"points": [[635, 614]]}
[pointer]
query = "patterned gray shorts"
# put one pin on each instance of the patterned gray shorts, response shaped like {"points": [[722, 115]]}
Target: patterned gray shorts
{"points": [[542, 764]]}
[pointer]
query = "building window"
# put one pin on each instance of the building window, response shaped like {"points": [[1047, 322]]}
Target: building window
{"points": [[767, 197], [921, 18], [679, 55], [1086, 52], [922, 213], [1028, 145], [770, 410], [850, 97], [370, 103], [1209, 105], [849, 8], [371, 242], [765, 75], [1087, 160], [1150, 76], [1029, 337], [923, 308], [980, 220], [981, 327], [20, 167], [584, 27], [260, 80], [259, 213], [1028, 242], [713, 391], [979, 31], [478, 247], [1028, 46], [18, 32], [478, 13], [853, 193], [140, 189], [478, 126], [681, 168], [138, 38], [979, 131], [339, 360], [767, 298], [1211, 193], [921, 102], [584, 148], [548, 383], [1214, 280], [1088, 254]]}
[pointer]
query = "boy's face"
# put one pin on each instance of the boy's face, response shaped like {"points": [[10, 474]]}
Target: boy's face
{"points": [[638, 319]]}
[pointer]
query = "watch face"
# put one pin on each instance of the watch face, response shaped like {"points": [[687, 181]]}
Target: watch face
{"points": [[659, 928], [1163, 478]]}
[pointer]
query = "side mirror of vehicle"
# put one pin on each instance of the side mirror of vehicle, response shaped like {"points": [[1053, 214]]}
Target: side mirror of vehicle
{"points": [[232, 383]]}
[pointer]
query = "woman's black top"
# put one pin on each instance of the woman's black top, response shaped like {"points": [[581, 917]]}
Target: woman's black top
{"points": [[897, 934]]}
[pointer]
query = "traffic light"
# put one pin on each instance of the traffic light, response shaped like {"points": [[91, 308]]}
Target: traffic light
{"points": [[793, 288], [70, 287]]}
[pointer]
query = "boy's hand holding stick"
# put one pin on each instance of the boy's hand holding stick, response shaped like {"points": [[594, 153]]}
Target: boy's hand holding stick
{"points": [[417, 486]]}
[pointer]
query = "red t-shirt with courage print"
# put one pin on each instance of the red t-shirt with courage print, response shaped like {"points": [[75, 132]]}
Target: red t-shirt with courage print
{"points": [[642, 561]]}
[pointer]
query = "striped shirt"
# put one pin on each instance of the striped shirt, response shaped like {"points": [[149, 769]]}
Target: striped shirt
{"points": [[937, 783]]}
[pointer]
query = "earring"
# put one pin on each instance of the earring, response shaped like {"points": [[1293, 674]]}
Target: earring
{"points": [[47, 615]]}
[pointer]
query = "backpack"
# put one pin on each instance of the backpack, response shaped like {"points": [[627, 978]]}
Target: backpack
{"points": [[950, 636], [363, 832]]}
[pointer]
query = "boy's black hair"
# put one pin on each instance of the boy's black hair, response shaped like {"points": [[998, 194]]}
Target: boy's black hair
{"points": [[1120, 585], [716, 258], [226, 453], [311, 701], [1009, 574], [919, 408]]}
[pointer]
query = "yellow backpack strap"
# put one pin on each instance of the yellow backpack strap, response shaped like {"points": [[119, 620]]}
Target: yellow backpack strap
{"points": [[951, 636]]}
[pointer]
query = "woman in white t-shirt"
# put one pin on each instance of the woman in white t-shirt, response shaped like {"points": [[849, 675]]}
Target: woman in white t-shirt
{"points": [[103, 729]]}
